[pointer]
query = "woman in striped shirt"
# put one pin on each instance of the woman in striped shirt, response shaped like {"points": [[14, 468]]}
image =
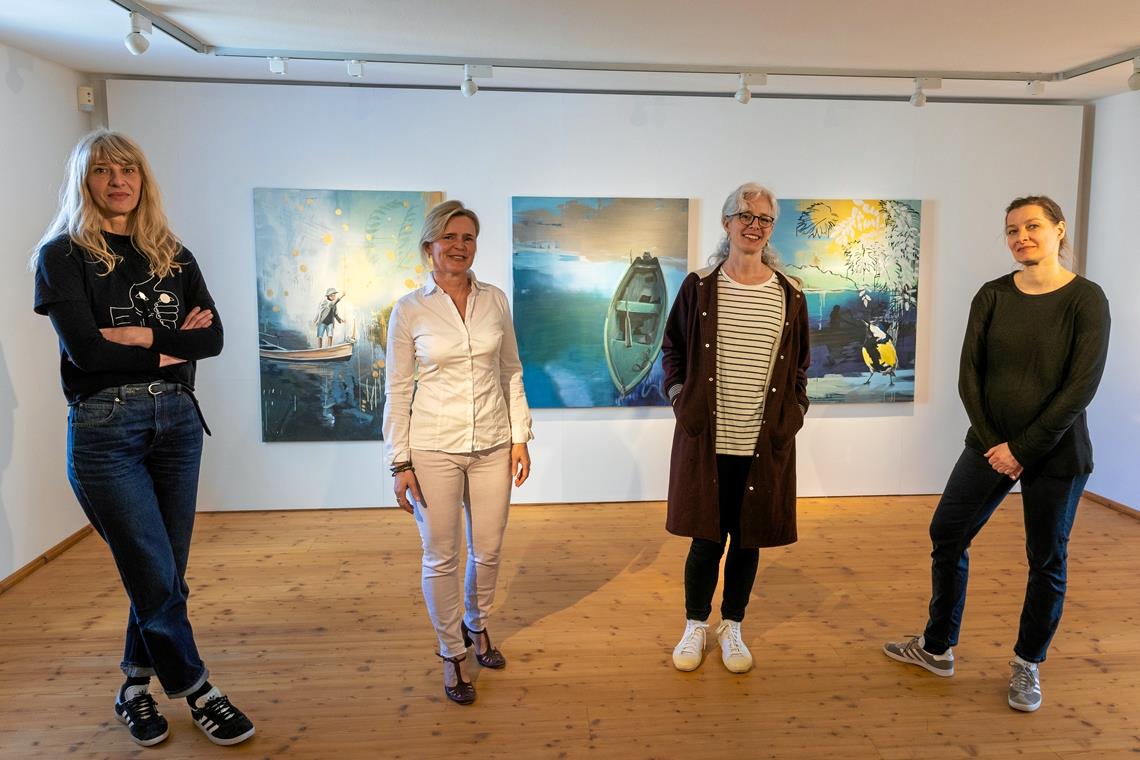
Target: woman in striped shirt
{"points": [[736, 357]]}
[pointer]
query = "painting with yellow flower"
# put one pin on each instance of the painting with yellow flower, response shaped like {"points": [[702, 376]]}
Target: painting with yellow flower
{"points": [[330, 264]]}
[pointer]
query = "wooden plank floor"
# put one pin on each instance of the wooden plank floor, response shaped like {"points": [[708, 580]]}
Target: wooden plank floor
{"points": [[313, 621]]}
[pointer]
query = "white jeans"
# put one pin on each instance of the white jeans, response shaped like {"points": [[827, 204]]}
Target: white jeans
{"points": [[478, 484]]}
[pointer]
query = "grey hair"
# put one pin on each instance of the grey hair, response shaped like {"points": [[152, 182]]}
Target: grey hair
{"points": [[736, 202], [436, 221]]}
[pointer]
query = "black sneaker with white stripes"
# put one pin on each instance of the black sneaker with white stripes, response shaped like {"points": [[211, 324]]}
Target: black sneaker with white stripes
{"points": [[135, 708], [220, 721]]}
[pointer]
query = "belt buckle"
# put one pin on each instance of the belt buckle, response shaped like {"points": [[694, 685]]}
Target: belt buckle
{"points": [[155, 388]]}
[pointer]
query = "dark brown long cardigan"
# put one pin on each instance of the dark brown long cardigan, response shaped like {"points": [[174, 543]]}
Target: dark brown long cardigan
{"points": [[768, 512]]}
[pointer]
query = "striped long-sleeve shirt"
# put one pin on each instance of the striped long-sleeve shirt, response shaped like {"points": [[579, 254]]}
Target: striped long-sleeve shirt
{"points": [[749, 321]]}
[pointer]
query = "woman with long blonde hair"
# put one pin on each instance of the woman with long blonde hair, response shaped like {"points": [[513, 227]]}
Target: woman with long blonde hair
{"points": [[133, 316]]}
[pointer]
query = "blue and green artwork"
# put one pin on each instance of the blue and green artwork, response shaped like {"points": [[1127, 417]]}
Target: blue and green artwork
{"points": [[858, 260], [330, 265], [594, 279]]}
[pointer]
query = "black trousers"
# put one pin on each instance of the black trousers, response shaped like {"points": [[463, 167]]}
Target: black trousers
{"points": [[703, 563]]}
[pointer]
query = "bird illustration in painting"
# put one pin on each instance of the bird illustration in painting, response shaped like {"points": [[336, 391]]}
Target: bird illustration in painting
{"points": [[879, 352]]}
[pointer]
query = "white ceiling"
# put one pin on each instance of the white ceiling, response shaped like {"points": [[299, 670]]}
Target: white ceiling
{"points": [[908, 37]]}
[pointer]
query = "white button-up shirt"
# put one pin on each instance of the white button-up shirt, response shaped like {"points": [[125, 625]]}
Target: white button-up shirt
{"points": [[469, 392]]}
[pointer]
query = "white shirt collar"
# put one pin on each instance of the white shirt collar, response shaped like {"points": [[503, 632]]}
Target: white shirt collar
{"points": [[430, 286]]}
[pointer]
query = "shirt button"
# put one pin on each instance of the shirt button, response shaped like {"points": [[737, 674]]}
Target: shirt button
{"points": [[704, 313], [773, 390], [706, 345], [781, 356], [786, 324], [710, 379], [750, 488]]}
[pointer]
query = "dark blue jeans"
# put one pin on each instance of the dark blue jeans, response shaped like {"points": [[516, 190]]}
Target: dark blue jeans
{"points": [[972, 494], [132, 459], [702, 566]]}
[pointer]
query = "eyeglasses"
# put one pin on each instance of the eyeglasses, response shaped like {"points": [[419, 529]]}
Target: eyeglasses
{"points": [[762, 220]]}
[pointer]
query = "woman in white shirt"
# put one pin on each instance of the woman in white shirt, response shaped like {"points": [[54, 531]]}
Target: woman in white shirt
{"points": [[456, 434]]}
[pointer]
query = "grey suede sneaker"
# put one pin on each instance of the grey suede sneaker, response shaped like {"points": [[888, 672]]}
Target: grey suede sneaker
{"points": [[912, 652], [1024, 685]]}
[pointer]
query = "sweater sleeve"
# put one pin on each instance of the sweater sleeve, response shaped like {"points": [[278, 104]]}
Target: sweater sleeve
{"points": [[674, 346], [200, 343], [972, 368], [1087, 357], [60, 293]]}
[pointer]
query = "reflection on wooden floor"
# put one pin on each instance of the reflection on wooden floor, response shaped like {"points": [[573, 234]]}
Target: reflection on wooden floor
{"points": [[314, 623]]}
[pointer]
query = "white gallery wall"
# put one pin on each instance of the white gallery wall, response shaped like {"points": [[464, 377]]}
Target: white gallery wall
{"points": [[1114, 263], [39, 124], [211, 144]]}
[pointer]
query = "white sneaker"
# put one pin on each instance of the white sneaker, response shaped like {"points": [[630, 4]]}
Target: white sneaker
{"points": [[690, 650], [733, 653], [1024, 685]]}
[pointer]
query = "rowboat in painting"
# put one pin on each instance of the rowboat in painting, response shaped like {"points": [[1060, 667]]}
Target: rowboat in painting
{"points": [[635, 323], [325, 354]]}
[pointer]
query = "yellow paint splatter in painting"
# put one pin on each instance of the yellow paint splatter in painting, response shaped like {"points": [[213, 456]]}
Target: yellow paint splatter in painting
{"points": [[376, 374], [304, 268], [300, 207], [276, 308], [284, 293], [327, 238], [368, 236], [269, 293], [380, 363], [405, 204], [296, 253], [308, 201], [338, 212], [419, 268], [407, 228], [410, 284], [391, 255], [344, 227]]}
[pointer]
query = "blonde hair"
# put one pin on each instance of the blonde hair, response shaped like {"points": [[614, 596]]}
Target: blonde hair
{"points": [[736, 202], [436, 222], [78, 217]]}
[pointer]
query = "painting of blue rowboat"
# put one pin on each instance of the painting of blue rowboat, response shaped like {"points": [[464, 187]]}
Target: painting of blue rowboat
{"points": [[594, 279], [330, 265], [858, 262]]}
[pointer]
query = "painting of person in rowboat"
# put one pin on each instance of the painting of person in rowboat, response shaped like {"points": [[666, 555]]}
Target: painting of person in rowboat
{"points": [[635, 323], [593, 282], [320, 349]]}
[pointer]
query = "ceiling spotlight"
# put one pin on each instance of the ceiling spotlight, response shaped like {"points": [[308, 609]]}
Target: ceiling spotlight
{"points": [[918, 99], [137, 39], [470, 71], [1134, 80], [743, 94], [278, 65], [1034, 87], [355, 68]]}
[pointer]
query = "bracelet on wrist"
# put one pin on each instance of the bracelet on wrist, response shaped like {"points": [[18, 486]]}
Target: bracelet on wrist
{"points": [[398, 467]]}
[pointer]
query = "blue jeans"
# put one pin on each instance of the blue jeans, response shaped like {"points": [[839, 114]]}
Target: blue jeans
{"points": [[132, 459], [974, 491]]}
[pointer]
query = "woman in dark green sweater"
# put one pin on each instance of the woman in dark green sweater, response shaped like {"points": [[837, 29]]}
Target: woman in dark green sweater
{"points": [[1032, 358]]}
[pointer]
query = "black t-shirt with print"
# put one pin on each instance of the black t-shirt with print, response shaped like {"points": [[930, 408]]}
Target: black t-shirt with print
{"points": [[74, 290]]}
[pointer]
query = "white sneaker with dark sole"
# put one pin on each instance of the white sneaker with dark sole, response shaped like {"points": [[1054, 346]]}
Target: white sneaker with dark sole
{"points": [[912, 653]]}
